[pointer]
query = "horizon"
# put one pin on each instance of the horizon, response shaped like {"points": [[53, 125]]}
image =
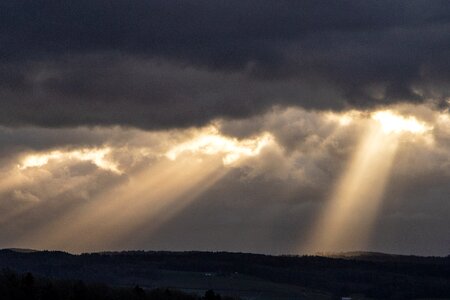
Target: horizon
{"points": [[337, 255]]}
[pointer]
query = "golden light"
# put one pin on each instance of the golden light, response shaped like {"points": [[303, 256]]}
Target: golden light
{"points": [[145, 202], [394, 123], [212, 142], [96, 156], [179, 172], [349, 215], [151, 196]]}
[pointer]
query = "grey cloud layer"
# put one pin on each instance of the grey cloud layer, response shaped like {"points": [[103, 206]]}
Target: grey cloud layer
{"points": [[268, 204], [160, 64]]}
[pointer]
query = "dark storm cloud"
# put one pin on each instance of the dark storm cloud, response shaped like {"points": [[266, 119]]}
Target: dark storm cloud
{"points": [[158, 64]]}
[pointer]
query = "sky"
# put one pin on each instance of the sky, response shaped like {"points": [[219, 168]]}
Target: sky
{"points": [[279, 127]]}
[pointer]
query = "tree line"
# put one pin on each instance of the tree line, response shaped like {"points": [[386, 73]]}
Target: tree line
{"points": [[14, 286]]}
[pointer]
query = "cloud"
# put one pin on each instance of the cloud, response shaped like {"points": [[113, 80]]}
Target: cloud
{"points": [[265, 203], [167, 64], [141, 77]]}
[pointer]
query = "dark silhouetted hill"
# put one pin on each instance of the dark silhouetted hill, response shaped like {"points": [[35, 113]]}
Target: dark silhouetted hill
{"points": [[374, 275]]}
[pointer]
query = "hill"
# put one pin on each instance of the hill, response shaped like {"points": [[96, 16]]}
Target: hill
{"points": [[250, 276]]}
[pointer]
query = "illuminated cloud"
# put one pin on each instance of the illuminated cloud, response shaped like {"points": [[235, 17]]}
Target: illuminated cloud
{"points": [[95, 156], [393, 123], [150, 197], [211, 142], [263, 184]]}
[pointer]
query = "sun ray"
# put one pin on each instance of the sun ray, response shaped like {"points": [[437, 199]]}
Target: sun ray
{"points": [[150, 197], [348, 218], [110, 214]]}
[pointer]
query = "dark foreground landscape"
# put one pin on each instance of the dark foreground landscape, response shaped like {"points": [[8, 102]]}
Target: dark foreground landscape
{"points": [[28, 274]]}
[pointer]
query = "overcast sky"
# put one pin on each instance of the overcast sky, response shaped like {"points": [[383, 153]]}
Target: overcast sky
{"points": [[225, 125]]}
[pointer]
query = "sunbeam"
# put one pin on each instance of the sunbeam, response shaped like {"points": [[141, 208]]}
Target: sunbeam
{"points": [[148, 195], [149, 198], [348, 218]]}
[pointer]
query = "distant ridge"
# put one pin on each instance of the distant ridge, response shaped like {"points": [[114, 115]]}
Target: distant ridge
{"points": [[245, 274], [377, 256], [362, 254], [21, 250], [357, 255], [353, 253]]}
